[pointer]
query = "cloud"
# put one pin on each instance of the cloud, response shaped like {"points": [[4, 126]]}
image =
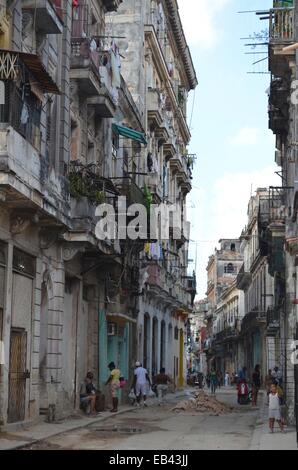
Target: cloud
{"points": [[224, 205], [230, 196], [199, 21], [246, 136]]}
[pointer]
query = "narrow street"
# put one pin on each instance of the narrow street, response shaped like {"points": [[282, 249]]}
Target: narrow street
{"points": [[160, 428]]}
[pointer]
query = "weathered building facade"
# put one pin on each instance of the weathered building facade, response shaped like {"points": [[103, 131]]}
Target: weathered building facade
{"points": [[73, 135], [256, 281], [61, 98], [283, 34], [222, 270], [227, 328], [155, 45]]}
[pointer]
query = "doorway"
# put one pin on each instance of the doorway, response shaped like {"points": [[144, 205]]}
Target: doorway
{"points": [[17, 375]]}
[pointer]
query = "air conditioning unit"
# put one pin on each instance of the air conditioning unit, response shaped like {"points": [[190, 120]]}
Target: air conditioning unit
{"points": [[112, 329]]}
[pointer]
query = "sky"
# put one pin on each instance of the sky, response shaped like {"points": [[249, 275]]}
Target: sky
{"points": [[228, 121]]}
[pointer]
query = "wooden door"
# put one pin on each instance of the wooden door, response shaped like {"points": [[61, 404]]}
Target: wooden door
{"points": [[17, 375]]}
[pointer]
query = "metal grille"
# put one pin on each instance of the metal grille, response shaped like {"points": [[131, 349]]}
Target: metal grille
{"points": [[17, 376], [23, 263], [22, 110]]}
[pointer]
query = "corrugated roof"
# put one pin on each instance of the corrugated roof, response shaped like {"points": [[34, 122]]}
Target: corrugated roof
{"points": [[38, 70]]}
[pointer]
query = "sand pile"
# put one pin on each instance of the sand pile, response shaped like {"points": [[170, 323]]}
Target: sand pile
{"points": [[203, 403]]}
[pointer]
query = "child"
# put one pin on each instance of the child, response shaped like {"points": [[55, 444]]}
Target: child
{"points": [[274, 409]]}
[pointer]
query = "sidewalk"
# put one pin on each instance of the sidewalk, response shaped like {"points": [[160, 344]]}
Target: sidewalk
{"points": [[29, 435], [263, 440]]}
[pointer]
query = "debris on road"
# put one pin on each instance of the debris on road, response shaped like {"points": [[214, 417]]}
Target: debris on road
{"points": [[203, 403]]}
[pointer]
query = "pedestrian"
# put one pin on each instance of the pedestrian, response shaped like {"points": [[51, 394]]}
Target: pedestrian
{"points": [[277, 375], [114, 382], [88, 394], [140, 383], [227, 379], [268, 382], [161, 381], [218, 379], [256, 384], [208, 380], [213, 381], [233, 378], [200, 380], [242, 375], [274, 409]]}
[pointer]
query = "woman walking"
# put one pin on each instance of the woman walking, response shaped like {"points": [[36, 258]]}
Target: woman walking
{"points": [[114, 383]]}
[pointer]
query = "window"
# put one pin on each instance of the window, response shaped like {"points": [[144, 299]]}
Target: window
{"points": [[75, 140], [233, 247], [91, 152], [68, 285], [230, 269], [176, 333], [115, 148], [22, 109], [23, 263]]}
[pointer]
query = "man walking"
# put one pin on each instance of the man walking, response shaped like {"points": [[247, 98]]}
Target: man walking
{"points": [[161, 381], [213, 381], [141, 378]]}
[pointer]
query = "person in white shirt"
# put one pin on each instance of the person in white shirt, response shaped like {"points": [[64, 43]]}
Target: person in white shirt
{"points": [[274, 409], [141, 379]]}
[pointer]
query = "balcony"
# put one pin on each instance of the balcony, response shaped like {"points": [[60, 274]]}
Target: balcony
{"points": [[256, 318], [111, 5], [85, 60], [176, 163], [243, 279], [105, 105], [48, 16], [279, 106], [277, 204], [102, 104], [273, 321], [155, 186], [85, 181], [129, 188], [154, 107], [281, 26], [226, 335], [281, 34]]}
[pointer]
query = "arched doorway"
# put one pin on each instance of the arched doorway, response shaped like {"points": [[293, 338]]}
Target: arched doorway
{"points": [[181, 359]]}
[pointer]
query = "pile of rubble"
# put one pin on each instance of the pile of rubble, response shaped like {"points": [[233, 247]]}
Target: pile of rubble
{"points": [[202, 403]]}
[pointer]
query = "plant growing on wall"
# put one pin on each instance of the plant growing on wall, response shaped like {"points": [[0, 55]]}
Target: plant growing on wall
{"points": [[147, 198], [83, 186]]}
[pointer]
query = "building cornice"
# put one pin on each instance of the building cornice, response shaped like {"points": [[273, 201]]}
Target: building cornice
{"points": [[183, 49]]}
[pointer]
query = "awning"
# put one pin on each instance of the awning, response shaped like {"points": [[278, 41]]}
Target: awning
{"points": [[120, 318], [33, 63], [129, 133]]}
